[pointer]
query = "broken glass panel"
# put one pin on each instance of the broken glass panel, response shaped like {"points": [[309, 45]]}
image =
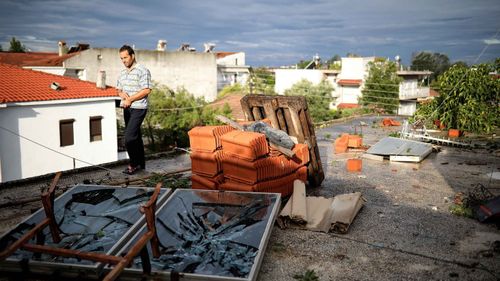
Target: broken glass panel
{"points": [[91, 218], [211, 233]]}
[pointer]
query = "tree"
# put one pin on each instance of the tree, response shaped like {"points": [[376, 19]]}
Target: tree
{"points": [[352, 55], [435, 62], [318, 98], [236, 88], [172, 114], [460, 63], [303, 63], [16, 46], [1, 49], [334, 63], [382, 86], [468, 100], [261, 81]]}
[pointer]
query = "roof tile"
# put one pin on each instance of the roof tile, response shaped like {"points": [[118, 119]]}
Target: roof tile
{"points": [[24, 85]]}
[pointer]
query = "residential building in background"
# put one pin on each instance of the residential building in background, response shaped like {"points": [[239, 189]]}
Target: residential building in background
{"points": [[287, 77], [51, 123], [350, 81], [411, 89], [194, 71], [183, 68], [231, 69]]}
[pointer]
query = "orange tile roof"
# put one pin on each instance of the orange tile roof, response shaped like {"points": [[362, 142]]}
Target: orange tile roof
{"points": [[224, 54], [24, 85], [349, 82], [33, 58], [233, 100], [348, 105]]}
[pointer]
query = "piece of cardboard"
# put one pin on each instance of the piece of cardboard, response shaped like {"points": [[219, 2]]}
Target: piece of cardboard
{"points": [[320, 213], [344, 208]]}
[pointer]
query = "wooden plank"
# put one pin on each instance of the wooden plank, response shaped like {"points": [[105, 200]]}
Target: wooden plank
{"points": [[297, 125], [246, 110], [256, 113], [270, 111], [281, 120], [288, 120]]}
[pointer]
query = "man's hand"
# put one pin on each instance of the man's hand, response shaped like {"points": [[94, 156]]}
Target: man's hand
{"points": [[123, 95], [126, 103]]}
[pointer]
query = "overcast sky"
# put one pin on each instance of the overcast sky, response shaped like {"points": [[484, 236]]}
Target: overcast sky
{"points": [[270, 32]]}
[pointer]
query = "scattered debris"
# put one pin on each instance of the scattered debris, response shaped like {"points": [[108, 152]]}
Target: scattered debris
{"points": [[479, 203], [210, 235], [322, 214], [354, 165], [80, 231], [390, 122], [401, 150], [373, 157], [410, 132], [454, 133]]}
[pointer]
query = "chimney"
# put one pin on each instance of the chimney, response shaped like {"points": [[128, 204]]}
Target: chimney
{"points": [[101, 80], [209, 47], [184, 47], [62, 48], [162, 45]]}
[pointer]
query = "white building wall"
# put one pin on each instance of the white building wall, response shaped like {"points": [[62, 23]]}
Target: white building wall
{"points": [[355, 68], [62, 71], [194, 71], [407, 107], [286, 78], [20, 158], [350, 94], [234, 59]]}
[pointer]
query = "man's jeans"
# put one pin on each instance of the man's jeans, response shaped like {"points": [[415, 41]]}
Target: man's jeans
{"points": [[133, 136]]}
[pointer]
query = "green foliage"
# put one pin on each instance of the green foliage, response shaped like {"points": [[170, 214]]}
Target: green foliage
{"points": [[460, 63], [303, 63], [347, 112], [461, 210], [334, 63], [382, 87], [335, 66], [16, 46], [1, 49], [309, 275], [172, 114], [318, 98], [168, 181], [261, 81], [436, 62], [468, 100], [352, 55], [394, 134], [333, 59], [425, 112], [236, 88]]}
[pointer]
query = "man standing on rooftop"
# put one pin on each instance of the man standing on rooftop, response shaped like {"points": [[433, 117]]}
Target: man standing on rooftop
{"points": [[134, 86]]}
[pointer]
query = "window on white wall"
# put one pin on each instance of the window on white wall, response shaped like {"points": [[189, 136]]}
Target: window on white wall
{"points": [[95, 128], [66, 132]]}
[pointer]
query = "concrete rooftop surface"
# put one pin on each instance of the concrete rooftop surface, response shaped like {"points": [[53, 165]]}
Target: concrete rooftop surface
{"points": [[404, 231]]}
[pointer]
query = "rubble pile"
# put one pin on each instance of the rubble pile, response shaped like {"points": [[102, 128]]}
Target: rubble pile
{"points": [[226, 159]]}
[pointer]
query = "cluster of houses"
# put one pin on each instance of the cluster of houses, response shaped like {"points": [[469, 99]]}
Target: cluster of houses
{"points": [[58, 110]]}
